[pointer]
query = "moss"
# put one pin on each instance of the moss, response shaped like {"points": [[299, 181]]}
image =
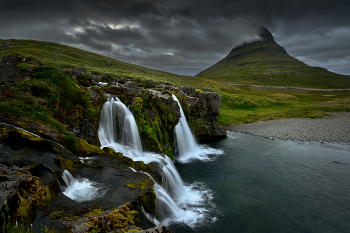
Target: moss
{"points": [[68, 164], [122, 217], [144, 183], [148, 201], [138, 165], [88, 149], [56, 215], [96, 211], [156, 123], [32, 196]]}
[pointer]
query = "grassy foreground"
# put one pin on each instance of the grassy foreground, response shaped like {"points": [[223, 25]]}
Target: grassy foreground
{"points": [[239, 105]]}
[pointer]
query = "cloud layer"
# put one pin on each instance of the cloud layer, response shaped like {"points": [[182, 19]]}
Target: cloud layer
{"points": [[184, 37]]}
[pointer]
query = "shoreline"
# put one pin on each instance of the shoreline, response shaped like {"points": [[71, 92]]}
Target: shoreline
{"points": [[335, 128]]}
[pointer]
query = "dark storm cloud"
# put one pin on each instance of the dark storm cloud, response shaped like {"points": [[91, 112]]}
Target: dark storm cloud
{"points": [[184, 37]]}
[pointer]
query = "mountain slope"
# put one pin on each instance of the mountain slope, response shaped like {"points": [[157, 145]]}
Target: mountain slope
{"points": [[64, 56], [265, 62]]}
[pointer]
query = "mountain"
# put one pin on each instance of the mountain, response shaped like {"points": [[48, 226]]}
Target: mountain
{"points": [[264, 62]]}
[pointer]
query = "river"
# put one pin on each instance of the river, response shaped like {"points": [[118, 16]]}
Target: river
{"points": [[263, 185]]}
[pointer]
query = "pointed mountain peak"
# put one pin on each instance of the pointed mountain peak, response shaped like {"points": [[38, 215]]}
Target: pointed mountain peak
{"points": [[265, 34]]}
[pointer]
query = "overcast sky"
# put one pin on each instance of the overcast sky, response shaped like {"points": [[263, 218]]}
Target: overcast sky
{"points": [[184, 37]]}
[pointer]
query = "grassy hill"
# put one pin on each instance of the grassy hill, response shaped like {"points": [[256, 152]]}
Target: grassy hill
{"points": [[63, 56], [266, 63], [240, 104]]}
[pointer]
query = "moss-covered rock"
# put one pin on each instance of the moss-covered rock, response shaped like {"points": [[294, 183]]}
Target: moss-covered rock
{"points": [[156, 115]]}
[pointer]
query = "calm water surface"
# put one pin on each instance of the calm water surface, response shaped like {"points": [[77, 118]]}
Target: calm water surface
{"points": [[263, 185]]}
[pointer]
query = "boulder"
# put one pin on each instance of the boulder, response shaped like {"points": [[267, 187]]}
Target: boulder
{"points": [[119, 87], [9, 73], [188, 90], [79, 74]]}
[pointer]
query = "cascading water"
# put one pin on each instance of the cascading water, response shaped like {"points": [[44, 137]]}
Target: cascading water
{"points": [[176, 202], [82, 189], [121, 135], [187, 145]]}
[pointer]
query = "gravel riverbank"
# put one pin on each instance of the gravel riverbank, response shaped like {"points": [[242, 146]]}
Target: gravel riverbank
{"points": [[335, 128]]}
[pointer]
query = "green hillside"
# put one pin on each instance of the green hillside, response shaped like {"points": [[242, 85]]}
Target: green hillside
{"points": [[266, 63], [63, 56], [240, 104]]}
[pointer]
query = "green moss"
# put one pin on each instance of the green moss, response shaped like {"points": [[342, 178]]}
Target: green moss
{"points": [[68, 164], [32, 196], [88, 149], [56, 215], [148, 201], [120, 218], [158, 130], [144, 183]]}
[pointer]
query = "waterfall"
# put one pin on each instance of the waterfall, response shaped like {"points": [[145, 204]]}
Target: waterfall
{"points": [[82, 189], [187, 145], [176, 202], [118, 129]]}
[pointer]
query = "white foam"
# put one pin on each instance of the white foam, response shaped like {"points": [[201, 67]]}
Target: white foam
{"points": [[82, 189]]}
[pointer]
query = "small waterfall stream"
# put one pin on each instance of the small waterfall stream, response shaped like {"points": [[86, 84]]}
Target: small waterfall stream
{"points": [[82, 189], [176, 202], [188, 148]]}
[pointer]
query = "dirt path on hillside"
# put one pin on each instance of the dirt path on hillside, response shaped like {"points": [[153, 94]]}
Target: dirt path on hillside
{"points": [[289, 89]]}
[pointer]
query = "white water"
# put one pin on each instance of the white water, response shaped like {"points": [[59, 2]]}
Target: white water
{"points": [[188, 148], [82, 189], [176, 202]]}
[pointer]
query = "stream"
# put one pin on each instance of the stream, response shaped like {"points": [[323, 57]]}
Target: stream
{"points": [[262, 185]]}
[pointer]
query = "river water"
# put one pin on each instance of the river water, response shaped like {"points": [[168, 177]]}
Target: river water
{"points": [[263, 185]]}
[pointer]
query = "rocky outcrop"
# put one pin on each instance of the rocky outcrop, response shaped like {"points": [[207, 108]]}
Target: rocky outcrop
{"points": [[122, 87], [37, 184], [9, 73], [202, 110], [156, 114]]}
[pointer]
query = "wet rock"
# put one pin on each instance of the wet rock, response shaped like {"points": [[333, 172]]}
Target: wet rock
{"points": [[157, 229], [203, 109]]}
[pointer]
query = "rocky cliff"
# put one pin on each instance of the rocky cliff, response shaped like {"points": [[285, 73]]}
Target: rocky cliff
{"points": [[49, 120], [157, 113]]}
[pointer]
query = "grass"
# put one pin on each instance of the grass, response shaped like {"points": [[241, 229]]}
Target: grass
{"points": [[20, 227], [239, 104], [266, 63]]}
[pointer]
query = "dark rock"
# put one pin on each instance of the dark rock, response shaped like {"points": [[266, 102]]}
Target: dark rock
{"points": [[151, 84], [213, 103], [101, 78], [188, 90], [166, 87], [128, 84], [150, 114], [116, 87], [79, 74], [80, 69], [122, 80], [9, 73], [203, 109]]}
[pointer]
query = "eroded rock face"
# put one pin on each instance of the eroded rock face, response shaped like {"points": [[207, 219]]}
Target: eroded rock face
{"points": [[203, 110]]}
